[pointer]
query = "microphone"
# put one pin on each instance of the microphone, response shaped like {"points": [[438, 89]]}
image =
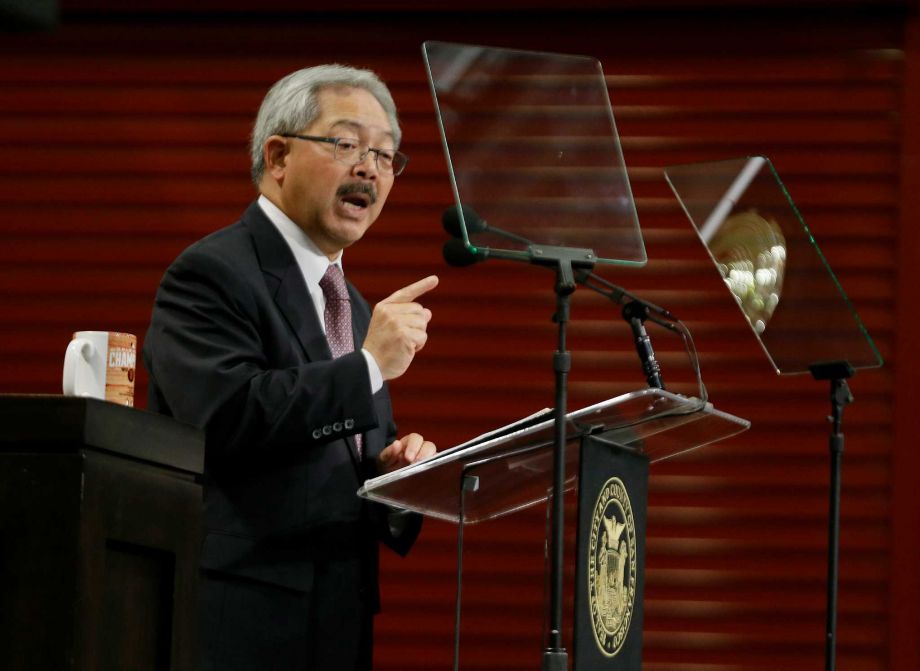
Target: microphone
{"points": [[458, 254], [450, 220], [635, 313]]}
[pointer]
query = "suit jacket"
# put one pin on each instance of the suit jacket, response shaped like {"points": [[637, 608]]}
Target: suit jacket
{"points": [[235, 347]]}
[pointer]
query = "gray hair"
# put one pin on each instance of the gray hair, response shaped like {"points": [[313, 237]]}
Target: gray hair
{"points": [[293, 103]]}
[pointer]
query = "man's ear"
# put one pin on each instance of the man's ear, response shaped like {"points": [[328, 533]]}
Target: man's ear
{"points": [[274, 152]]}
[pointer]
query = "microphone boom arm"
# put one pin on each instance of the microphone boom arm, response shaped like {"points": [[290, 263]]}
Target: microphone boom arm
{"points": [[635, 312], [573, 266]]}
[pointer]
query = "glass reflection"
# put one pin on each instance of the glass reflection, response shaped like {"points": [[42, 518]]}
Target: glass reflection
{"points": [[750, 251]]}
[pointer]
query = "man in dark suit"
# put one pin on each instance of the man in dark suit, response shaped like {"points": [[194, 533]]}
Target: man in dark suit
{"points": [[257, 338]]}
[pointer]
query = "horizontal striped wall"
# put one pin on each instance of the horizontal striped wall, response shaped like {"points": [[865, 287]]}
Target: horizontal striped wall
{"points": [[122, 140]]}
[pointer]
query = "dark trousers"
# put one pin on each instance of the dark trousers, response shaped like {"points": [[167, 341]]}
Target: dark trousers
{"points": [[249, 625]]}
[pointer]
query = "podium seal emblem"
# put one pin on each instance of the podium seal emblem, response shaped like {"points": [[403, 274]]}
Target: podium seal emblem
{"points": [[612, 567]]}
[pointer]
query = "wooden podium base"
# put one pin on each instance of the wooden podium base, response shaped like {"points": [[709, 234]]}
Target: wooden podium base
{"points": [[98, 545]]}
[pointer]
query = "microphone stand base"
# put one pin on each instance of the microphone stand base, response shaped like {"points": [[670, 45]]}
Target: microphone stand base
{"points": [[555, 660]]}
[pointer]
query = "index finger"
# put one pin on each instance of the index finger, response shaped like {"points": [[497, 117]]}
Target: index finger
{"points": [[409, 293]]}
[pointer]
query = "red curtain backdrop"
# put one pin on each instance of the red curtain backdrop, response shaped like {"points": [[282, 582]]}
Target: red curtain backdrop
{"points": [[123, 139]]}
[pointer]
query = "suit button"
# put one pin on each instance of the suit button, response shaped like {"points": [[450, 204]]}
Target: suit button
{"points": [[327, 430], [349, 423], [337, 427], [317, 434]]}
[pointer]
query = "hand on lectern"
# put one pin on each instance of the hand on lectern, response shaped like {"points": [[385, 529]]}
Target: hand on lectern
{"points": [[404, 451]]}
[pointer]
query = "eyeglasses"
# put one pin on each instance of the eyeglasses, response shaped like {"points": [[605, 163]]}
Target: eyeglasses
{"points": [[351, 151]]}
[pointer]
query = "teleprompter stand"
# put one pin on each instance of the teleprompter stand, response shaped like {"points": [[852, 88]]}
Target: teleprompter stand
{"points": [[610, 445], [789, 295], [565, 261], [562, 260], [511, 174]]}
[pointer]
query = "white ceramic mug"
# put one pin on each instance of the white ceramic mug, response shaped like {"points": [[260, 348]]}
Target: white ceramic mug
{"points": [[101, 364]]}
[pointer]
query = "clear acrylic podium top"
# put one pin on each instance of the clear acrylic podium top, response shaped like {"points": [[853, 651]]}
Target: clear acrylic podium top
{"points": [[515, 469]]}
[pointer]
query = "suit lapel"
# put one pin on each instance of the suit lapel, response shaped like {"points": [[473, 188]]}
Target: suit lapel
{"points": [[284, 279]]}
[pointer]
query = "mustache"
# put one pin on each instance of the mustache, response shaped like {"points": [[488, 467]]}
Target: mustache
{"points": [[358, 187]]}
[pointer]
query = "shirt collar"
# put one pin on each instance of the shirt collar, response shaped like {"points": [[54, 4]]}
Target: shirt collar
{"points": [[313, 263]]}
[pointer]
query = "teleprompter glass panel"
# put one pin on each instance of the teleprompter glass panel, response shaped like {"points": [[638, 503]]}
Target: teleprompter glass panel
{"points": [[771, 264], [533, 151]]}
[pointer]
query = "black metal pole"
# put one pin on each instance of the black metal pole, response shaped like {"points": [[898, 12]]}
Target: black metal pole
{"points": [[555, 657], [837, 372], [468, 483], [840, 396], [833, 553]]}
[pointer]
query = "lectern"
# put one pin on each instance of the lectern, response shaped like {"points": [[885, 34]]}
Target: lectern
{"points": [[99, 534], [611, 445]]}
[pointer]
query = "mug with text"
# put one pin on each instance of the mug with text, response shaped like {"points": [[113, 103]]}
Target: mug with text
{"points": [[101, 364]]}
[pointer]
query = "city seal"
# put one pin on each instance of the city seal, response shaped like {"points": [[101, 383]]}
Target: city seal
{"points": [[612, 567]]}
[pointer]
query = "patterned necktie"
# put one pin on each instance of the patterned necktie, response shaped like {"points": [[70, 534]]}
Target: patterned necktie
{"points": [[337, 316]]}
